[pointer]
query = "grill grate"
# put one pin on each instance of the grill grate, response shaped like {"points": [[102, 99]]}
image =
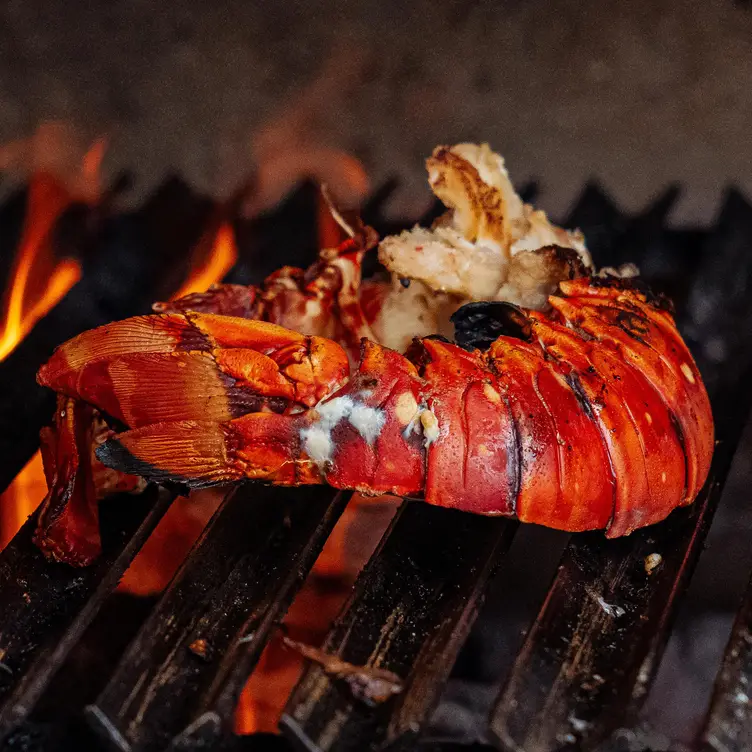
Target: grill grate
{"points": [[230, 593], [585, 666], [728, 725], [45, 608], [410, 612]]}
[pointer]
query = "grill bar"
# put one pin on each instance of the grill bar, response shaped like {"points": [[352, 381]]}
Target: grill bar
{"points": [[47, 606], [728, 726], [594, 647], [410, 612], [183, 673]]}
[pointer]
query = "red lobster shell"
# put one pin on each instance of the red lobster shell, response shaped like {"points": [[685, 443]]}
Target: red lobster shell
{"points": [[594, 417]]}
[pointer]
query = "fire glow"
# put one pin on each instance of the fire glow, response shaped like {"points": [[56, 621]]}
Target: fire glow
{"points": [[39, 281], [183, 522], [211, 270], [27, 301]]}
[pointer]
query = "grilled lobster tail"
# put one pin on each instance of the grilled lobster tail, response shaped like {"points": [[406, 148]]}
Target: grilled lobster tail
{"points": [[591, 416]]}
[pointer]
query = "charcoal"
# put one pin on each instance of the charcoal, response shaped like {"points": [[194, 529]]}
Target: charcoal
{"points": [[602, 223], [719, 315], [284, 236], [12, 214]]}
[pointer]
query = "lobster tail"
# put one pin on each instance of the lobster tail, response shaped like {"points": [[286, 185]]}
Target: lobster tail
{"points": [[198, 454], [645, 337], [592, 416]]}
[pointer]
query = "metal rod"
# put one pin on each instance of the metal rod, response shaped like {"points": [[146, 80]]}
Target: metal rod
{"points": [[728, 725], [47, 606]]}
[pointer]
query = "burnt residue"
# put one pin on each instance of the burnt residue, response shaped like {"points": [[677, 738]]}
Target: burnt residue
{"points": [[369, 685], [243, 399], [638, 285], [416, 353], [113, 454], [676, 424], [514, 460], [568, 260], [633, 324], [478, 325], [192, 339], [201, 648]]}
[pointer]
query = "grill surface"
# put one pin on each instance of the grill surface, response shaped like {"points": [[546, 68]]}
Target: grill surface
{"points": [[584, 668]]}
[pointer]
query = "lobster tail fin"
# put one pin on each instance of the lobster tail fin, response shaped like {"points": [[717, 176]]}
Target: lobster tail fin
{"points": [[258, 446], [187, 367], [193, 453]]}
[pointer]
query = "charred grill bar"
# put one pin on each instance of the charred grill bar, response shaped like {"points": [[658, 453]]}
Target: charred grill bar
{"points": [[590, 655], [46, 607], [410, 611], [728, 724], [587, 664], [183, 674]]}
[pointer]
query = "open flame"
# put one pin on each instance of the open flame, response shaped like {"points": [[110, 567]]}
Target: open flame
{"points": [[207, 271], [286, 150], [33, 291], [21, 498], [38, 279], [348, 548]]}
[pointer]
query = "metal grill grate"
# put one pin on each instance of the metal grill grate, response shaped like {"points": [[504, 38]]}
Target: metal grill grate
{"points": [[582, 670]]}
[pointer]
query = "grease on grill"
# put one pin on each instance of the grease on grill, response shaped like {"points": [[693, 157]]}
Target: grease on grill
{"points": [[369, 685]]}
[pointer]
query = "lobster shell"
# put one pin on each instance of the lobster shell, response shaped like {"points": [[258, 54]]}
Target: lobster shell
{"points": [[590, 416]]}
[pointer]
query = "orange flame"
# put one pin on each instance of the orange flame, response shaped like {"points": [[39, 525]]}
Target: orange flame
{"points": [[38, 280], [29, 298], [21, 498], [219, 261], [346, 551]]}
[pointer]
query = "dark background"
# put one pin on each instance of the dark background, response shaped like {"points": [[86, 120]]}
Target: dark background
{"points": [[637, 94]]}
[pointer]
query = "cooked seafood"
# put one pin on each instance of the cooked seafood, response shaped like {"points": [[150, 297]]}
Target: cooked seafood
{"points": [[588, 413]]}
